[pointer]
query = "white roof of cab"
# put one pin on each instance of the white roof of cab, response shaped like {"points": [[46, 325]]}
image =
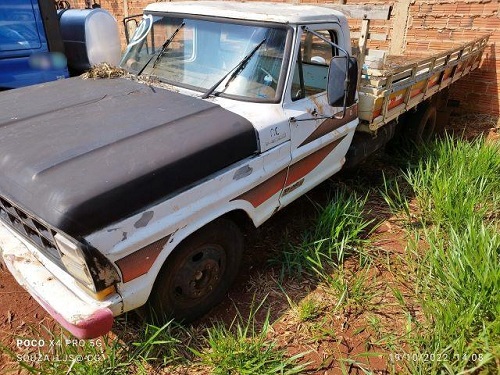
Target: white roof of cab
{"points": [[255, 11]]}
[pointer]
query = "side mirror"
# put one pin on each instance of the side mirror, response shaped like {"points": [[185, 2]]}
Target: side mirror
{"points": [[342, 81], [130, 25]]}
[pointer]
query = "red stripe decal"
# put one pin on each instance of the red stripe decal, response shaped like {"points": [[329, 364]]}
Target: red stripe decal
{"points": [[267, 189], [306, 165], [331, 124], [139, 262]]}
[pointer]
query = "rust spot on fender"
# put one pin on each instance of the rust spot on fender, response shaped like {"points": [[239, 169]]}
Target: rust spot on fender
{"points": [[318, 104]]}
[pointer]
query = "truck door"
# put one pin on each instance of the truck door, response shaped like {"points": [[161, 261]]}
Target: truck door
{"points": [[319, 141]]}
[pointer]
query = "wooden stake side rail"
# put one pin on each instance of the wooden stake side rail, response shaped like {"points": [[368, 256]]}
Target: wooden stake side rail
{"points": [[403, 82]]}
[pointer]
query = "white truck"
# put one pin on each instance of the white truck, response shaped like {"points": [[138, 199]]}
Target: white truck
{"points": [[120, 193]]}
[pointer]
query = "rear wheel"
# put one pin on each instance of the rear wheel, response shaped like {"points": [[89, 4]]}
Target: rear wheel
{"points": [[198, 274], [422, 125]]}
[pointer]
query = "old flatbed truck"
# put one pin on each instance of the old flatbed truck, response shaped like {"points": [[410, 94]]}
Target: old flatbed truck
{"points": [[120, 193]]}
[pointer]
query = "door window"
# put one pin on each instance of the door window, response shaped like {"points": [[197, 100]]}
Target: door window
{"points": [[311, 69]]}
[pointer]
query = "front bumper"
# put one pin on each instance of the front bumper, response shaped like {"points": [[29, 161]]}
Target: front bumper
{"points": [[55, 290]]}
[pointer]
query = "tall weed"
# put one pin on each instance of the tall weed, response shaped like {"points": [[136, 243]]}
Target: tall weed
{"points": [[245, 348], [340, 229], [457, 180], [457, 188]]}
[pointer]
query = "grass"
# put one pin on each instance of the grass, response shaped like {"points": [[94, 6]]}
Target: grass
{"points": [[354, 291], [460, 286], [340, 230], [456, 257], [457, 181], [154, 347], [309, 309], [245, 348]]}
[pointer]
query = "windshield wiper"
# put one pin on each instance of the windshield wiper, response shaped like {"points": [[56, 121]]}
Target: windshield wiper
{"points": [[162, 50], [233, 72]]}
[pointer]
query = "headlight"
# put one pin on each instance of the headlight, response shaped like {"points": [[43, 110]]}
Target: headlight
{"points": [[73, 259], [88, 266]]}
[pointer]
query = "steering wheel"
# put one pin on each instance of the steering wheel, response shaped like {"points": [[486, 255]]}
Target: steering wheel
{"points": [[274, 80]]}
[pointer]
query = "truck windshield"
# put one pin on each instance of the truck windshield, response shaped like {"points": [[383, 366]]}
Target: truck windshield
{"points": [[202, 53]]}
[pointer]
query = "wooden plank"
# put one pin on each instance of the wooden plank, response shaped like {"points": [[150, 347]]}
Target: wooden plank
{"points": [[365, 24], [385, 105], [408, 91], [373, 82], [372, 36], [378, 53], [399, 26], [361, 12]]}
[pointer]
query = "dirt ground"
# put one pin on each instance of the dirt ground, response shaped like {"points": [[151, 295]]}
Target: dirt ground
{"points": [[350, 337]]}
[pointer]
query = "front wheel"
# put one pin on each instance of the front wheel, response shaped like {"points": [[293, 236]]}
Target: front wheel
{"points": [[198, 274]]}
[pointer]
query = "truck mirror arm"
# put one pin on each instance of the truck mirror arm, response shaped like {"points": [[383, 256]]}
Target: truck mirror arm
{"points": [[125, 22], [308, 30], [346, 80]]}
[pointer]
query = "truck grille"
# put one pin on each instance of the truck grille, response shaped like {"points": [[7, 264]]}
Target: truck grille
{"points": [[39, 234]]}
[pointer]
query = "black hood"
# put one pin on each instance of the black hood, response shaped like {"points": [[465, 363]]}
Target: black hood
{"points": [[81, 154]]}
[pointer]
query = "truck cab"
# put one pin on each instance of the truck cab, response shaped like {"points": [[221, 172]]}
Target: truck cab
{"points": [[282, 87]]}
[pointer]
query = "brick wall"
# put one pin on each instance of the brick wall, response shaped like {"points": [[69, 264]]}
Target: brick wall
{"points": [[433, 21], [431, 26]]}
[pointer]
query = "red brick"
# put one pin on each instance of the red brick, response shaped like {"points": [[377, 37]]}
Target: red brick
{"points": [[417, 22], [467, 22], [476, 9], [463, 8], [491, 9], [425, 8], [446, 8], [477, 87], [490, 23], [414, 8], [434, 22]]}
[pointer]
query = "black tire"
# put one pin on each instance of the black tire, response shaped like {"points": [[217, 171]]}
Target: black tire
{"points": [[198, 274], [422, 125]]}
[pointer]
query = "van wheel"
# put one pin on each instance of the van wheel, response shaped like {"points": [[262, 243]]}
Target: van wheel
{"points": [[422, 126], [198, 274]]}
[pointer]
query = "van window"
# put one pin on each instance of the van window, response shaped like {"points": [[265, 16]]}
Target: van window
{"points": [[18, 30]]}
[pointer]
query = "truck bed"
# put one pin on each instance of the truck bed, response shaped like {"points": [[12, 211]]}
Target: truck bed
{"points": [[392, 86]]}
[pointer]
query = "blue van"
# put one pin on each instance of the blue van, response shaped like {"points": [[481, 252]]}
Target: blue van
{"points": [[31, 49]]}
